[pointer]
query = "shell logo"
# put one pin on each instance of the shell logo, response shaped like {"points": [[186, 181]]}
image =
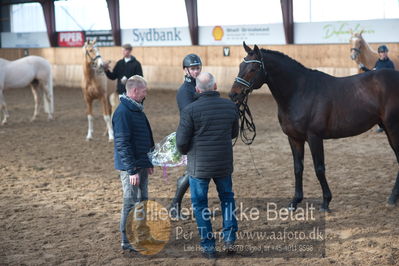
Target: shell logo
{"points": [[218, 33]]}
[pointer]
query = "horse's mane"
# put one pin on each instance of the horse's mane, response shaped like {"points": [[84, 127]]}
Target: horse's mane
{"points": [[285, 57]]}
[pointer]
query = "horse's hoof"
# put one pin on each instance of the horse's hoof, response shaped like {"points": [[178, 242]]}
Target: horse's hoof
{"points": [[110, 140], [89, 139], [324, 209], [392, 200], [292, 206], [390, 205]]}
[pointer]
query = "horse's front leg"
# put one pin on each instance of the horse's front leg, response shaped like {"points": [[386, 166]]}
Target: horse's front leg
{"points": [[89, 112], [317, 150], [3, 108], [107, 110], [297, 148], [35, 90]]}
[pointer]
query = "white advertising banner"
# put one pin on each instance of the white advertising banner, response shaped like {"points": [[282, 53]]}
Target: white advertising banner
{"points": [[235, 35], [385, 30], [24, 40], [178, 36]]}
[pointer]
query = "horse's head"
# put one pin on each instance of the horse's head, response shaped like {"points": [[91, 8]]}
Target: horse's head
{"points": [[92, 54], [356, 45], [251, 75]]}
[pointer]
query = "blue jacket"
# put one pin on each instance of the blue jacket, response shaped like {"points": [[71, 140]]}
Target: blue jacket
{"points": [[186, 93], [380, 64], [386, 63], [132, 137]]}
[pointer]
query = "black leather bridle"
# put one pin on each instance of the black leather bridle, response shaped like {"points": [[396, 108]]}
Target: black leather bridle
{"points": [[247, 125], [93, 61]]}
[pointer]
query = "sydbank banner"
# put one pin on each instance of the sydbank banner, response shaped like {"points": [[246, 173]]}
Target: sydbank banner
{"points": [[177, 36], [235, 35], [382, 30]]}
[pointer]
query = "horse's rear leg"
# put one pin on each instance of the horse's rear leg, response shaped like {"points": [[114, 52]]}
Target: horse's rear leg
{"points": [[392, 131], [89, 111], [317, 150], [3, 108], [35, 91], [297, 148], [114, 101], [107, 109]]}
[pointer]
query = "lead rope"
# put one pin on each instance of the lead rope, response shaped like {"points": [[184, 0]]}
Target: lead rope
{"points": [[247, 125]]}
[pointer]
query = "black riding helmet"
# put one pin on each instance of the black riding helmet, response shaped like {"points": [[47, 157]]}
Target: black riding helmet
{"points": [[191, 60], [382, 49]]}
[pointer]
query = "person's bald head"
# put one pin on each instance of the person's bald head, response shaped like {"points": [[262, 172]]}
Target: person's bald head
{"points": [[205, 82]]}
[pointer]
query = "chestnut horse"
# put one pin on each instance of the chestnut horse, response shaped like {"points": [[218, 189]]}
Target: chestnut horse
{"points": [[313, 106], [361, 52], [95, 87]]}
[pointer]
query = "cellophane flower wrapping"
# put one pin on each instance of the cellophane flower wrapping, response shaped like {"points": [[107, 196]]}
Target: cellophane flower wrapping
{"points": [[166, 154]]}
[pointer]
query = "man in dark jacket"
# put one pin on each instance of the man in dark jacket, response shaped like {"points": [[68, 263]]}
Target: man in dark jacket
{"points": [[206, 129], [382, 62], [125, 68], [133, 141], [192, 66]]}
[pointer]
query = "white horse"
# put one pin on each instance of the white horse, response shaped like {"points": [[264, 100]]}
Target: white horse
{"points": [[31, 70]]}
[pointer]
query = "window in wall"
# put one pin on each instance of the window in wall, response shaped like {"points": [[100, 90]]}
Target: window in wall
{"points": [[78, 15], [339, 10], [238, 12], [20, 14], [153, 14]]}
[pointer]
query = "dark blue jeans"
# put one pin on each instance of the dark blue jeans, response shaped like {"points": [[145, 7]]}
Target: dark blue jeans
{"points": [[199, 198]]}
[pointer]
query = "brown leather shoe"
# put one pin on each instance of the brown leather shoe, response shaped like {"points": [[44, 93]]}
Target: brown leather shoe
{"points": [[128, 247], [151, 241]]}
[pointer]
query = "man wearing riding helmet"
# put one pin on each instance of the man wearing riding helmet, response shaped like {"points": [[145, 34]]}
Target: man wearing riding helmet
{"points": [[382, 62], [192, 66]]}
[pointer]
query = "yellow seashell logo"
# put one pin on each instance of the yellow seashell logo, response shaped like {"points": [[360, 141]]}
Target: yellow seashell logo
{"points": [[218, 33]]}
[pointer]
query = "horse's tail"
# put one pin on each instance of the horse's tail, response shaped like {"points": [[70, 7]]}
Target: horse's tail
{"points": [[114, 101], [48, 96]]}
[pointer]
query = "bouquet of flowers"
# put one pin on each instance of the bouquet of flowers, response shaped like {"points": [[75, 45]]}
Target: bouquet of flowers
{"points": [[166, 154]]}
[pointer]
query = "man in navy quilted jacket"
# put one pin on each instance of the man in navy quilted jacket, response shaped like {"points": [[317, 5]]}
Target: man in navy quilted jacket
{"points": [[133, 141]]}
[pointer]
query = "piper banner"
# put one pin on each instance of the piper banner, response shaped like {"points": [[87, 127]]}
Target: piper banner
{"points": [[71, 39]]}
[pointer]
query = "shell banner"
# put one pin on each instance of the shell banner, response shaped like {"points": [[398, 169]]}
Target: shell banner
{"points": [[236, 34]]}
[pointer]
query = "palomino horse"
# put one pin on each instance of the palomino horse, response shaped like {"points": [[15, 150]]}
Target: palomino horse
{"points": [[313, 106], [95, 87], [30, 70], [361, 52]]}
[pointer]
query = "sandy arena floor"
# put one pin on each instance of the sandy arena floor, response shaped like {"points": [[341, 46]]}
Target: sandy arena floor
{"points": [[60, 197]]}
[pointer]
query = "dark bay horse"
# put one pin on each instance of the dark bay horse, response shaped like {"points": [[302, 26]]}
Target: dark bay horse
{"points": [[313, 106]]}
